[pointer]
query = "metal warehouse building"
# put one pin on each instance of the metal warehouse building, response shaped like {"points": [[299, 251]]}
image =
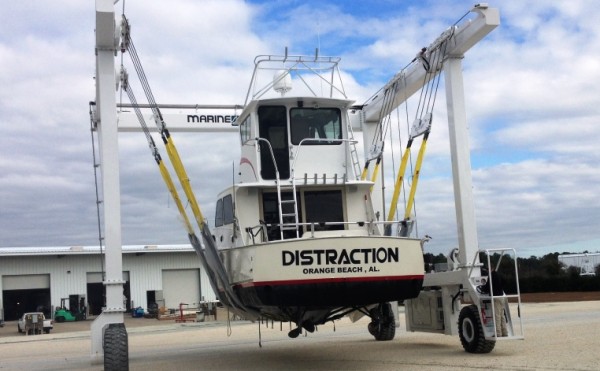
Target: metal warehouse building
{"points": [[47, 277]]}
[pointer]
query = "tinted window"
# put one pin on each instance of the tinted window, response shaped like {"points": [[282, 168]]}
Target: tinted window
{"points": [[324, 206], [272, 126], [219, 213], [271, 214], [320, 123], [227, 210], [245, 131]]}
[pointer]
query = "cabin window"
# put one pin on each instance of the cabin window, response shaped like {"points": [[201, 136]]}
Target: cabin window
{"points": [[272, 126], [245, 130], [219, 213], [228, 209], [324, 206], [317, 123], [224, 211]]}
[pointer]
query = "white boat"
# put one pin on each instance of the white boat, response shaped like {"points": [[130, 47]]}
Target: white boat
{"points": [[297, 238]]}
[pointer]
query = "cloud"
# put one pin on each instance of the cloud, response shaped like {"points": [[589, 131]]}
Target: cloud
{"points": [[530, 95]]}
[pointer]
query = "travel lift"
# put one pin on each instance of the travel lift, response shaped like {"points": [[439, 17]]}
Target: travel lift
{"points": [[439, 306]]}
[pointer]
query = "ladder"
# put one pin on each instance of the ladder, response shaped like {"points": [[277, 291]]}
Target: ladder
{"points": [[288, 206], [353, 153]]}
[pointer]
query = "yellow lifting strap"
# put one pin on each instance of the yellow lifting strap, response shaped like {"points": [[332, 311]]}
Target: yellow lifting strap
{"points": [[171, 186], [375, 171], [415, 180], [184, 180], [399, 180], [365, 171]]}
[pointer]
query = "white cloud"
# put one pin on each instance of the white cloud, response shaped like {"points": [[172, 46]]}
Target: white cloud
{"points": [[530, 91]]}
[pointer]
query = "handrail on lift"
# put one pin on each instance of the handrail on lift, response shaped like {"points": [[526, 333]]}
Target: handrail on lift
{"points": [[492, 296]]}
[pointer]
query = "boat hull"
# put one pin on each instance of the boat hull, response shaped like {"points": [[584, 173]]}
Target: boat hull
{"points": [[349, 271]]}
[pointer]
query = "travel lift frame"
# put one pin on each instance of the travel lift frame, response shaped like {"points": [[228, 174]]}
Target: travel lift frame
{"points": [[441, 299], [438, 307]]}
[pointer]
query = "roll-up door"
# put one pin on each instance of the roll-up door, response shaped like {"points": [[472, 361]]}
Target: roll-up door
{"points": [[181, 286], [25, 293], [26, 282]]}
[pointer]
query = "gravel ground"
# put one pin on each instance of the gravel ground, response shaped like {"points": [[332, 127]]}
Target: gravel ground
{"points": [[558, 336]]}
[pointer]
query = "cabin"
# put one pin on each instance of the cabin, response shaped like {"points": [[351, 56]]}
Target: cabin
{"points": [[297, 150]]}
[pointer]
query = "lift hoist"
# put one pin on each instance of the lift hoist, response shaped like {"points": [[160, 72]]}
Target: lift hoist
{"points": [[204, 247], [432, 60]]}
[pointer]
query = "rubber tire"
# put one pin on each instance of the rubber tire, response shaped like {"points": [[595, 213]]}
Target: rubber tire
{"points": [[47, 331], [20, 331], [60, 319], [116, 348], [383, 325], [470, 331]]}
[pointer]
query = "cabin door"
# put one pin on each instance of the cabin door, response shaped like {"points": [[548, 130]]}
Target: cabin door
{"points": [[272, 126]]}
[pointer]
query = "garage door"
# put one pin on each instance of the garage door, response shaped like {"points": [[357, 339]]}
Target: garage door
{"points": [[26, 282], [181, 286], [25, 293]]}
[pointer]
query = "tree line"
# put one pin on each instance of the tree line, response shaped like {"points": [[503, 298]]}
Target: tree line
{"points": [[536, 274]]}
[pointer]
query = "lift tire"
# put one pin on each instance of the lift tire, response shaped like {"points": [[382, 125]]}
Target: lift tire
{"points": [[116, 348], [60, 319], [470, 331], [383, 324]]}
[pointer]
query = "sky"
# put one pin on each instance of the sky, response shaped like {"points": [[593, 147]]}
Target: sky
{"points": [[531, 89]]}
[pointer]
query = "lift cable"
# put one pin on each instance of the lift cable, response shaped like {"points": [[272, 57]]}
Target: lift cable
{"points": [[385, 123], [162, 128], [156, 154], [421, 126], [163, 170], [428, 118], [382, 129], [208, 251], [93, 127]]}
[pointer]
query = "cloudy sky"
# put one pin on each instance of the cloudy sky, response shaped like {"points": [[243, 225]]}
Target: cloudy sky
{"points": [[533, 105]]}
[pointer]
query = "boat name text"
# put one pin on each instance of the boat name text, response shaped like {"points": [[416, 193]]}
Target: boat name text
{"points": [[335, 257]]}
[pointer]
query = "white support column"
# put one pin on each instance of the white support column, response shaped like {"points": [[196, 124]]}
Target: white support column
{"points": [[109, 163], [461, 161]]}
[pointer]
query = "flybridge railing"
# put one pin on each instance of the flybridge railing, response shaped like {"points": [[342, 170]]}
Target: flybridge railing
{"points": [[296, 68], [372, 228]]}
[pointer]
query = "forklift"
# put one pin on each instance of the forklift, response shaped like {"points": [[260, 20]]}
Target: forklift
{"points": [[66, 314]]}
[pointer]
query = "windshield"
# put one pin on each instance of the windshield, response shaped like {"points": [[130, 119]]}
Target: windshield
{"points": [[317, 123]]}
